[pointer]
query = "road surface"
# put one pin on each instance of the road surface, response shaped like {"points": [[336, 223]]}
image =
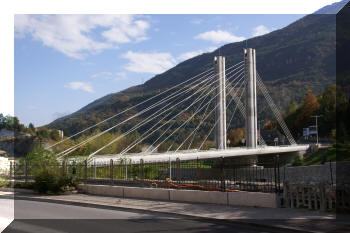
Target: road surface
{"points": [[34, 216]]}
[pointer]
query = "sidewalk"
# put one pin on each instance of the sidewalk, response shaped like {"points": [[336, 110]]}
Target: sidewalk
{"points": [[276, 218]]}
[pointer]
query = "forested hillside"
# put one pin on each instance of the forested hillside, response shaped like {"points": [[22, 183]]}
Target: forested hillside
{"points": [[291, 61]]}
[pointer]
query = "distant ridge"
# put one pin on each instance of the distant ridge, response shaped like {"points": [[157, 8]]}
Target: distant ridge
{"points": [[291, 60], [333, 8]]}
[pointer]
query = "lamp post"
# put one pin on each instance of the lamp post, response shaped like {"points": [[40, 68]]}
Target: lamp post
{"points": [[316, 117]]}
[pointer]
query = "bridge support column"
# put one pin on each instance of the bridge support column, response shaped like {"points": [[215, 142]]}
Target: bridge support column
{"points": [[251, 134], [220, 111]]}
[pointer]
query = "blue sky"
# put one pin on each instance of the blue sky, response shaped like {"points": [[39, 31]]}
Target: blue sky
{"points": [[63, 62]]}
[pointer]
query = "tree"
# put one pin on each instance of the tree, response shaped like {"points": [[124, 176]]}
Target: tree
{"points": [[54, 135], [268, 125], [343, 123], [43, 133], [31, 127], [236, 136], [2, 121], [309, 107], [14, 123], [292, 108], [331, 99]]}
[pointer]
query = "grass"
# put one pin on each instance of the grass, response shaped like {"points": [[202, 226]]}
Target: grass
{"points": [[338, 152]]}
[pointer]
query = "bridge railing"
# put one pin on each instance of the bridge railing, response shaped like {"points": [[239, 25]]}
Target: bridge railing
{"points": [[219, 174]]}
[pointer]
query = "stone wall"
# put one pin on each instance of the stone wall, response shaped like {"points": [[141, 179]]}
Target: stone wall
{"points": [[18, 147], [255, 199]]}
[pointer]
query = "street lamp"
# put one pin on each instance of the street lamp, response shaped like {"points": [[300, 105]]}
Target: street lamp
{"points": [[316, 117]]}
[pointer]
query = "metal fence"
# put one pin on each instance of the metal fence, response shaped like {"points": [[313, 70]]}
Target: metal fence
{"points": [[219, 174], [320, 196]]}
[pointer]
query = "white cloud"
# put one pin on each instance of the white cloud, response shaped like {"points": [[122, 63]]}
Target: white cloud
{"points": [[102, 74], [219, 36], [188, 55], [260, 30], [75, 35], [80, 86], [110, 75], [154, 63]]}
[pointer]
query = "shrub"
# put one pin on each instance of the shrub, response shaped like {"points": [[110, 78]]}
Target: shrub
{"points": [[297, 161], [24, 185], [46, 181], [47, 172], [4, 183]]}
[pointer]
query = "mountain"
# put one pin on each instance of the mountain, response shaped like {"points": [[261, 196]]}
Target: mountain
{"points": [[290, 61], [332, 8]]}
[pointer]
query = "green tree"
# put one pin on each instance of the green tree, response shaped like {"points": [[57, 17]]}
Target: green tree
{"points": [[292, 108], [14, 124], [43, 133], [31, 128], [331, 99], [2, 121], [40, 158], [54, 135]]}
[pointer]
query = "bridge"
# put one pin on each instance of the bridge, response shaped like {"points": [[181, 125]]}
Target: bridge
{"points": [[240, 81]]}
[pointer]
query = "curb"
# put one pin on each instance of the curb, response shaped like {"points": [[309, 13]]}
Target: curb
{"points": [[22, 190], [17, 190], [207, 219]]}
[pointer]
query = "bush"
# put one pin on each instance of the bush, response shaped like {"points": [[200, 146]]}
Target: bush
{"points": [[4, 183], [297, 161], [24, 185], [47, 172], [46, 181]]}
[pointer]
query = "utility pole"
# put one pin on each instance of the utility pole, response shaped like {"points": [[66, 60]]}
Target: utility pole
{"points": [[316, 117], [251, 105], [220, 111]]}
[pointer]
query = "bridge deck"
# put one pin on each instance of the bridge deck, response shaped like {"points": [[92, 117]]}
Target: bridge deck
{"points": [[194, 154]]}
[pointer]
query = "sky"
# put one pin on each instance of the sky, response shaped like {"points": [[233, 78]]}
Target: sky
{"points": [[64, 62]]}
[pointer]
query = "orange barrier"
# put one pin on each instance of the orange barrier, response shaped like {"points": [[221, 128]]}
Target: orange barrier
{"points": [[185, 186]]}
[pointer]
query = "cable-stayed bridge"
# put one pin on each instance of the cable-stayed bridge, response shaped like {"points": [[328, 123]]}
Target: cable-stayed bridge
{"points": [[206, 95]]}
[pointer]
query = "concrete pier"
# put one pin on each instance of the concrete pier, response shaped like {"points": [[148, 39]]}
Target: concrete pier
{"points": [[251, 105], [220, 111]]}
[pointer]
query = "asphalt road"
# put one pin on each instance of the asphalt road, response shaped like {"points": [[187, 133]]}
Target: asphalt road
{"points": [[34, 216]]}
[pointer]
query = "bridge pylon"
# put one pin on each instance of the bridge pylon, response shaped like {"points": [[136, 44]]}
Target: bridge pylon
{"points": [[251, 132], [220, 111]]}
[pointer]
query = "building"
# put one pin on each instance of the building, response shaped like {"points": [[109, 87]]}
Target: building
{"points": [[4, 163]]}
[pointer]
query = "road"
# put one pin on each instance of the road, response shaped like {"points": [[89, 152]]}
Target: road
{"points": [[6, 209], [34, 216]]}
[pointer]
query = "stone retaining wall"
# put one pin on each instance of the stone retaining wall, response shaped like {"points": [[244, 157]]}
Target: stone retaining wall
{"points": [[256, 199]]}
